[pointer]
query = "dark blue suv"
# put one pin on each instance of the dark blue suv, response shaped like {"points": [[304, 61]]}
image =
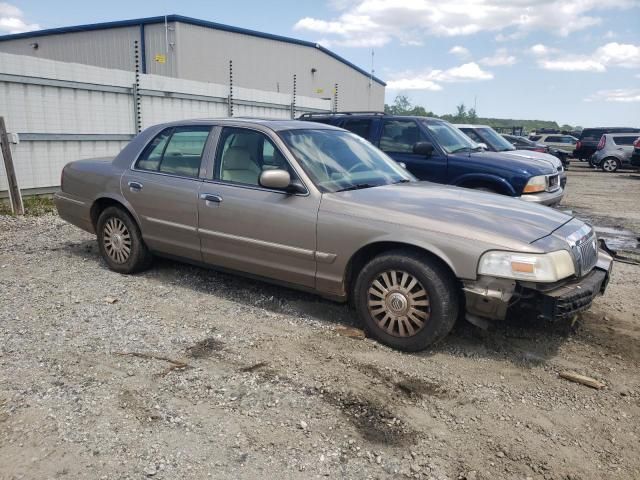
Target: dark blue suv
{"points": [[435, 150]]}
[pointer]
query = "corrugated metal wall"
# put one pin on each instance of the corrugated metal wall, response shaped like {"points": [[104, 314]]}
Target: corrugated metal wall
{"points": [[203, 54], [67, 111]]}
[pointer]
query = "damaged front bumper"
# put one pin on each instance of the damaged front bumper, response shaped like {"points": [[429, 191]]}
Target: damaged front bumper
{"points": [[495, 298]]}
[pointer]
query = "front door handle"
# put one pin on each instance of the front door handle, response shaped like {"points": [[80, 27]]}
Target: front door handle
{"points": [[210, 198], [135, 186]]}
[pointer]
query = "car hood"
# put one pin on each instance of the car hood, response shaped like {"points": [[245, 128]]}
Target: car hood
{"points": [[536, 156], [508, 161], [494, 219]]}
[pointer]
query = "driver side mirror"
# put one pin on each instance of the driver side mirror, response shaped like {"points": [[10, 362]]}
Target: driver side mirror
{"points": [[279, 179], [423, 148]]}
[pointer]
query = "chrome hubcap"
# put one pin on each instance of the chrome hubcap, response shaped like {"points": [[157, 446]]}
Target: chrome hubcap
{"points": [[610, 165], [399, 303], [117, 240]]}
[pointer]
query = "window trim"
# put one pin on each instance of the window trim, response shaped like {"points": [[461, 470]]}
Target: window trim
{"points": [[203, 159], [213, 175]]}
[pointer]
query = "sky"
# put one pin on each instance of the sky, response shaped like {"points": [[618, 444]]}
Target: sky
{"points": [[573, 61]]}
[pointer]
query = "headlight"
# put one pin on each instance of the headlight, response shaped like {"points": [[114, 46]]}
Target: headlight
{"points": [[536, 184], [545, 267]]}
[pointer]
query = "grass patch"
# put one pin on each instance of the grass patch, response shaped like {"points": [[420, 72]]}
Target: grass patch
{"points": [[34, 206]]}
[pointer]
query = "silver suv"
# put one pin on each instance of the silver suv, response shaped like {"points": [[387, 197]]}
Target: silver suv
{"points": [[614, 151]]}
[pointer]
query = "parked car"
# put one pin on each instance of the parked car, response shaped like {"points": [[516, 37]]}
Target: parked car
{"points": [[635, 156], [319, 208], [565, 143], [434, 150], [614, 151], [590, 137], [491, 140], [523, 143]]}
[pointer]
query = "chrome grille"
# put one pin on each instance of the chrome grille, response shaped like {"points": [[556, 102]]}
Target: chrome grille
{"points": [[586, 253]]}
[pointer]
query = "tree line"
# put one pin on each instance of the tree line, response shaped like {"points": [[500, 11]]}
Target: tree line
{"points": [[403, 106]]}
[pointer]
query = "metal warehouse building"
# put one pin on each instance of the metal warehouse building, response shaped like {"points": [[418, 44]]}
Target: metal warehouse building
{"points": [[192, 49]]}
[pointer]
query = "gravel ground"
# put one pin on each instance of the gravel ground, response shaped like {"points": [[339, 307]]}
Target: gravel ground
{"points": [[183, 373]]}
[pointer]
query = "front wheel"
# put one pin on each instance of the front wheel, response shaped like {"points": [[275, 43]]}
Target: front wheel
{"points": [[120, 242], [406, 300], [609, 165]]}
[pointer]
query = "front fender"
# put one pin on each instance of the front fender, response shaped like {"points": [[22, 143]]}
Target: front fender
{"points": [[499, 182]]}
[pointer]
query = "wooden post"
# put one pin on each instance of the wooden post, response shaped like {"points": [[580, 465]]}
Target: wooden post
{"points": [[14, 192]]}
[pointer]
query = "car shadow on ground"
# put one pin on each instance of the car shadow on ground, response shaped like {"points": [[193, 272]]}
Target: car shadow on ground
{"points": [[525, 342]]}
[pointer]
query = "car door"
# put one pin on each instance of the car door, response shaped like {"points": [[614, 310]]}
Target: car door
{"points": [[246, 227], [624, 147], [162, 187], [397, 139]]}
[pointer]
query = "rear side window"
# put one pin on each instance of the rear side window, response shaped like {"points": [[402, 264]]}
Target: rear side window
{"points": [[176, 151], [400, 136], [624, 140], [359, 126], [535, 138]]}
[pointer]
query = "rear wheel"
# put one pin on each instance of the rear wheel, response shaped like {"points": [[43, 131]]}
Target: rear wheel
{"points": [[406, 300], [120, 242], [610, 165]]}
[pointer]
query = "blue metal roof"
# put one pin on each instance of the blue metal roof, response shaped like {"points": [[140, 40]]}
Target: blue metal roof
{"points": [[189, 20]]}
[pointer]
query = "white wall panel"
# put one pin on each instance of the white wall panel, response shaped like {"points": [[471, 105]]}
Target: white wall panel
{"points": [[89, 107]]}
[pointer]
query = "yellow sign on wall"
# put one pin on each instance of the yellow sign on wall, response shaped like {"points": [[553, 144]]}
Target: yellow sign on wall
{"points": [[161, 58]]}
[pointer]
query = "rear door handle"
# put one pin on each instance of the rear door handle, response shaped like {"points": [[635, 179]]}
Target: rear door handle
{"points": [[210, 198], [135, 186]]}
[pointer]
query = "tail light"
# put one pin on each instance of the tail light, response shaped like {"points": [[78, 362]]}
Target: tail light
{"points": [[601, 143], [636, 144], [578, 145], [540, 149]]}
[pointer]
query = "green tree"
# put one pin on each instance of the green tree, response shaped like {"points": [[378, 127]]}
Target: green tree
{"points": [[472, 116]]}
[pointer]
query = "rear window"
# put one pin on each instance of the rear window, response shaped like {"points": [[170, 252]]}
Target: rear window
{"points": [[624, 140], [592, 134], [359, 126]]}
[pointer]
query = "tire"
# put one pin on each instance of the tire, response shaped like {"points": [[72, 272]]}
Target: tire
{"points": [[610, 165], [390, 316], [120, 242]]}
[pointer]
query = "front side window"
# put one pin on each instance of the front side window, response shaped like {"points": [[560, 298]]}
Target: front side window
{"points": [[337, 160], [400, 136], [175, 151], [243, 154], [553, 139]]}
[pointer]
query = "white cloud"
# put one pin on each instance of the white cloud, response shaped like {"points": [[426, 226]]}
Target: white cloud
{"points": [[539, 49], [377, 22], [431, 79], [499, 59], [460, 51], [622, 95], [12, 20], [610, 55], [573, 65]]}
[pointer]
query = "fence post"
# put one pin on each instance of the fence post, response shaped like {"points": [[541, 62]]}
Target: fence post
{"points": [[293, 99], [230, 97], [137, 103], [14, 191]]}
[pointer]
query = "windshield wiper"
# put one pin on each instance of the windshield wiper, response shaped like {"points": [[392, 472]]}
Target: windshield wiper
{"points": [[357, 186]]}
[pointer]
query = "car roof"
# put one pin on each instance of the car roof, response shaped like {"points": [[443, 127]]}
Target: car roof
{"points": [[469, 125], [622, 134], [273, 124]]}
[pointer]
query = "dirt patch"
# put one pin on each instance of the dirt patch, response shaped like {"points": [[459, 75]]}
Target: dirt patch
{"points": [[205, 348], [375, 422], [413, 387]]}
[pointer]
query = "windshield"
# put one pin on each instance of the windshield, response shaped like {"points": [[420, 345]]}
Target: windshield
{"points": [[336, 160], [449, 138], [494, 140]]}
